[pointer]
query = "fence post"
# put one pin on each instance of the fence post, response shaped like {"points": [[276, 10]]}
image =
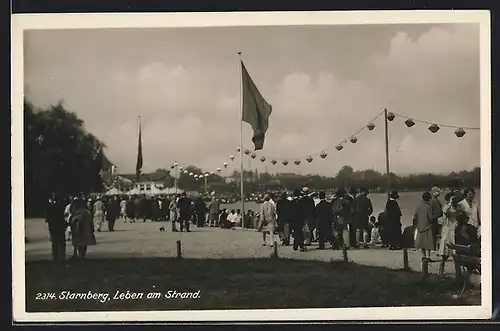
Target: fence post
{"points": [[344, 253], [275, 250], [179, 251], [425, 267], [406, 265]]}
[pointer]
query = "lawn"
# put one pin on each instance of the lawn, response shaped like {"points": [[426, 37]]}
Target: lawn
{"points": [[235, 284]]}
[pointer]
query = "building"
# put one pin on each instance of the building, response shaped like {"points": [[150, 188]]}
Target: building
{"points": [[152, 183]]}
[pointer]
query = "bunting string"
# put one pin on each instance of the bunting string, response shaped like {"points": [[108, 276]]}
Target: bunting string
{"points": [[434, 127]]}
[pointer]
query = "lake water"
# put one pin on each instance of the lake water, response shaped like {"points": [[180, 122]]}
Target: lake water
{"points": [[408, 202]]}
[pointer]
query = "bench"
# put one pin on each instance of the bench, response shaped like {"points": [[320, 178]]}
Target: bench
{"points": [[467, 260]]}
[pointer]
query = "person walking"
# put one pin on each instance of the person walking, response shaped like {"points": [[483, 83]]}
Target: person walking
{"points": [[324, 218], [268, 219], [283, 219], [363, 209], [200, 208], [83, 230], [57, 227], [437, 213], [213, 211], [185, 212], [450, 211], [423, 219], [99, 211], [297, 222], [174, 212]]}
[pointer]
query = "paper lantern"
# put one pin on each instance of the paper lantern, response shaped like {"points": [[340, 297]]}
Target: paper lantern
{"points": [[370, 126], [285, 162], [309, 159], [434, 128], [247, 151], [225, 165], [297, 162], [231, 157], [339, 147], [460, 132], [185, 171], [353, 140], [212, 173], [409, 123], [181, 168], [274, 161], [191, 174], [172, 166], [323, 155], [390, 116], [253, 156], [219, 169], [207, 174], [176, 164], [262, 159], [238, 149], [195, 176]]}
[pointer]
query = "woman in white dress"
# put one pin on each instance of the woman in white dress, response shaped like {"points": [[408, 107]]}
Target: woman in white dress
{"points": [[448, 227], [268, 219]]}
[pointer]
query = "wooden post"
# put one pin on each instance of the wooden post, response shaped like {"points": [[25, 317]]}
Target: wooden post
{"points": [[344, 254], [179, 251], [425, 267], [406, 265], [275, 249]]}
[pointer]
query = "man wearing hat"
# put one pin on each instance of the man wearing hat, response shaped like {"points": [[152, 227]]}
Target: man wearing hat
{"points": [[392, 221], [437, 212], [298, 220], [307, 206]]}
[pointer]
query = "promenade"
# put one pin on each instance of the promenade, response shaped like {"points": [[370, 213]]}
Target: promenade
{"points": [[132, 240]]}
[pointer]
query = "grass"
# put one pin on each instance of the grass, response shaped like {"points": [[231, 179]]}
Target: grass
{"points": [[235, 284]]}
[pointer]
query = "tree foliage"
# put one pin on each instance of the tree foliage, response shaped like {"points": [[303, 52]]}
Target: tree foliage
{"points": [[59, 155]]}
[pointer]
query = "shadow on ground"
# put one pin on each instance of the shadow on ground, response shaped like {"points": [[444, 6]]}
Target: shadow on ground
{"points": [[233, 284]]}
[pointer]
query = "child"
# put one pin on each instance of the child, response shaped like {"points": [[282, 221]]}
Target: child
{"points": [[376, 239]]}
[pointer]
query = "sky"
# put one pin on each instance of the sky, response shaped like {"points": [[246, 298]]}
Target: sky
{"points": [[323, 82]]}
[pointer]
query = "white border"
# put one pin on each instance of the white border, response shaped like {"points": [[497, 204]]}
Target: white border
{"points": [[128, 20]]}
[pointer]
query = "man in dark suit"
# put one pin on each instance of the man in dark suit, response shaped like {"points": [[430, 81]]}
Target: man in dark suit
{"points": [[200, 208], [324, 218], [57, 226], [185, 211]]}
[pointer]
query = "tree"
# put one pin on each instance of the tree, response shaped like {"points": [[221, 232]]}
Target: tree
{"points": [[60, 156]]}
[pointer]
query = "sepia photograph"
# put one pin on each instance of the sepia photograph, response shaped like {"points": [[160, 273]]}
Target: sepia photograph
{"points": [[251, 166]]}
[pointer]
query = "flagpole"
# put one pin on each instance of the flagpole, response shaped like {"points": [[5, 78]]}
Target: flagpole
{"points": [[242, 192], [139, 135]]}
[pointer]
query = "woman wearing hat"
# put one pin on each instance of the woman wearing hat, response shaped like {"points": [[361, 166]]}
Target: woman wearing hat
{"points": [[423, 219], [392, 222], [82, 228], [268, 219]]}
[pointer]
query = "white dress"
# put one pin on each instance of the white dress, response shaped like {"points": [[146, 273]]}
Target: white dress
{"points": [[448, 228]]}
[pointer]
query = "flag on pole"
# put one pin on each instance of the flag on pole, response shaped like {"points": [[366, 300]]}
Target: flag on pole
{"points": [[256, 110], [138, 166]]}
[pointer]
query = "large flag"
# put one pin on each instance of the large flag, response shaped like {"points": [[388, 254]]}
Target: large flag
{"points": [[256, 110], [138, 166]]}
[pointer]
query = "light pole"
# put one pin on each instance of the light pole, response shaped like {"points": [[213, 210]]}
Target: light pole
{"points": [[175, 176]]}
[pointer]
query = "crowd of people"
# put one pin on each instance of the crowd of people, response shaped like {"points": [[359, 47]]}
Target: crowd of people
{"points": [[345, 221]]}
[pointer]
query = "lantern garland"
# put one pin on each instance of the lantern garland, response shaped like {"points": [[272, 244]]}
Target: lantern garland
{"points": [[434, 128]]}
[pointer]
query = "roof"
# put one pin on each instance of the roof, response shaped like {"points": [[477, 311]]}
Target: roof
{"points": [[151, 177]]}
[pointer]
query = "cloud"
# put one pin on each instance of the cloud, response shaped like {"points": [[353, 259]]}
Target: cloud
{"points": [[189, 105]]}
